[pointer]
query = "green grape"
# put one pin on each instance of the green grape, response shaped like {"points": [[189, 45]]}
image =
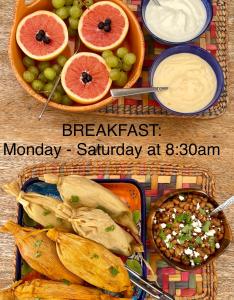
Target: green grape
{"points": [[72, 32], [48, 88], [120, 64], [121, 52], [43, 65], [57, 97], [60, 89], [27, 61], [75, 12], [115, 74], [34, 70], [38, 85], [61, 60], [69, 2], [88, 3], [50, 74], [78, 3], [58, 3], [123, 79], [57, 68], [129, 58], [28, 76], [42, 77], [73, 23], [112, 61], [127, 67], [107, 53], [63, 13], [66, 100]]}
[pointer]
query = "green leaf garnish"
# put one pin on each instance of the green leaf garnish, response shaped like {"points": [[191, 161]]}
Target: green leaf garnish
{"points": [[197, 260], [198, 240], [134, 265], [202, 211], [162, 235], [110, 228], [46, 212], [206, 226], [184, 237], [169, 226], [38, 243], [74, 199], [186, 218], [136, 216], [187, 229], [212, 242], [67, 282], [114, 272]]}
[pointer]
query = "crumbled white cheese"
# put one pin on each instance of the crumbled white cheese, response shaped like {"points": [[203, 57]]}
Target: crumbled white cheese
{"points": [[163, 225], [192, 263], [181, 197], [196, 254], [174, 233], [194, 233], [207, 210], [198, 206], [197, 229], [161, 209], [205, 257], [173, 216], [195, 224], [204, 237], [168, 237], [193, 217], [181, 225], [199, 223], [188, 251], [211, 232], [175, 210], [155, 221], [217, 246]]}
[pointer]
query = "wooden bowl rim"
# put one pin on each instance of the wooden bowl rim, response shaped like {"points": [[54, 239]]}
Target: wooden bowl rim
{"points": [[164, 198], [79, 108]]}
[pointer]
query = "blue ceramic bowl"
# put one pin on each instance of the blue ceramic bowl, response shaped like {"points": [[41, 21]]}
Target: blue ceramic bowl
{"points": [[209, 13], [209, 58]]}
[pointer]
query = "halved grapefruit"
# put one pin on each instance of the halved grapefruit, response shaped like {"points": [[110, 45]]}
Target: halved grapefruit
{"points": [[103, 26], [85, 77], [42, 35]]}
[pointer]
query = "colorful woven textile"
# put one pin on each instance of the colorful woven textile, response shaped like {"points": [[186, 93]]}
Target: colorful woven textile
{"points": [[214, 40], [156, 180]]}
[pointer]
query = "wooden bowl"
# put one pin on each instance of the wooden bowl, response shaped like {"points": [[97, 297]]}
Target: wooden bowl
{"points": [[134, 40], [223, 245]]}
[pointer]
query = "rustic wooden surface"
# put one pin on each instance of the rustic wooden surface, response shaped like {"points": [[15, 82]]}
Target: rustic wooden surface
{"points": [[18, 123]]}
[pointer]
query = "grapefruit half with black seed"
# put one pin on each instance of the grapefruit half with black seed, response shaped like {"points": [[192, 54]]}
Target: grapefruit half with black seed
{"points": [[85, 77], [103, 26], [42, 35]]}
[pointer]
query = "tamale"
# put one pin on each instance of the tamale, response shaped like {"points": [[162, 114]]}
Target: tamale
{"points": [[96, 225], [91, 261], [79, 191], [45, 289], [38, 211], [39, 252]]}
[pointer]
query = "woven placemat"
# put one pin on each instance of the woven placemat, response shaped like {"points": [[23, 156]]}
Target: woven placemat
{"points": [[156, 179], [214, 40]]}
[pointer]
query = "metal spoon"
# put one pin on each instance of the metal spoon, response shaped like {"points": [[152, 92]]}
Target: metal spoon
{"points": [[221, 207], [115, 93]]}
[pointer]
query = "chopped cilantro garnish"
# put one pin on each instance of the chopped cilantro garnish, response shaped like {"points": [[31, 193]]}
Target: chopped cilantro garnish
{"points": [[198, 240], [197, 260], [186, 218], [110, 228], [202, 211], [162, 235], [170, 245], [67, 282], [184, 237], [187, 229], [114, 272], [212, 242], [38, 243], [206, 226], [169, 226], [37, 254], [46, 212]]}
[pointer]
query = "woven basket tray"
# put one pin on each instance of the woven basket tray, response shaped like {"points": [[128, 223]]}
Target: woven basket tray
{"points": [[156, 180], [214, 40]]}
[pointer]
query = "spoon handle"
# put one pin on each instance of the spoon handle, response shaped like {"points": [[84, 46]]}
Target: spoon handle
{"points": [[115, 93], [221, 207]]}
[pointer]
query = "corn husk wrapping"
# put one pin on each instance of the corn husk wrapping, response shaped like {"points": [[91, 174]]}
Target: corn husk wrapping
{"points": [[93, 195], [37, 210], [91, 261], [39, 252], [45, 289], [96, 225]]}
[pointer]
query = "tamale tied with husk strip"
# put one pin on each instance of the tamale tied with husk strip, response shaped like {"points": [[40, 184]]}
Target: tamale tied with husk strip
{"points": [[37, 210], [45, 289], [79, 191], [91, 261], [39, 252]]}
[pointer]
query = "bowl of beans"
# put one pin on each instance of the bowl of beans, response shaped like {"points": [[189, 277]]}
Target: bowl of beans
{"points": [[181, 229]]}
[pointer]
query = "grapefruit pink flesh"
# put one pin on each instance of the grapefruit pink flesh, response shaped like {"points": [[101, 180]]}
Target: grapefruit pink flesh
{"points": [[72, 82], [54, 28], [98, 39]]}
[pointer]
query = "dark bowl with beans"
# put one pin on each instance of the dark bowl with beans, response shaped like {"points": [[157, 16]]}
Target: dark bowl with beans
{"points": [[181, 229]]}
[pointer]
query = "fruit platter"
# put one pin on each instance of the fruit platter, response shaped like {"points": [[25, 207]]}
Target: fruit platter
{"points": [[91, 46]]}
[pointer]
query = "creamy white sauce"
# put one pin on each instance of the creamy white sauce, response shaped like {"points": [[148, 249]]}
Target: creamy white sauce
{"points": [[176, 20], [191, 80]]}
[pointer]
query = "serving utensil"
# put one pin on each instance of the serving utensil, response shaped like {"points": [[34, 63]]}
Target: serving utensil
{"points": [[157, 2], [224, 205], [115, 93], [147, 286]]}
